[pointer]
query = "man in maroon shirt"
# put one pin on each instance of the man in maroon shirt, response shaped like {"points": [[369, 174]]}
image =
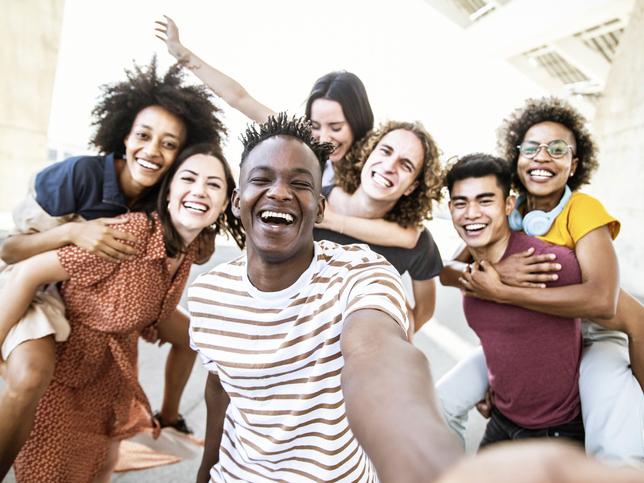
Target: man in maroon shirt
{"points": [[532, 357]]}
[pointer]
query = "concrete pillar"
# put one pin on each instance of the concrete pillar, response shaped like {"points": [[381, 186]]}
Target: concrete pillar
{"points": [[619, 126], [29, 35]]}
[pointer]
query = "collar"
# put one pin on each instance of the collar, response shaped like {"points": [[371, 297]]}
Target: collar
{"points": [[154, 249], [111, 189]]}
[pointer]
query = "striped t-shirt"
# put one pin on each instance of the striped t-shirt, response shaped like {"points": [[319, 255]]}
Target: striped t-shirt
{"points": [[278, 357]]}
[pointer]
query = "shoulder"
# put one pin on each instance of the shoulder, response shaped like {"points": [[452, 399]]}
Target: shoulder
{"points": [[586, 213], [520, 241], [579, 201], [231, 271], [347, 255], [78, 165]]}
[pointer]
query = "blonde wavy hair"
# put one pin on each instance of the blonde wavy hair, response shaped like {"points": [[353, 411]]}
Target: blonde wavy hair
{"points": [[410, 210]]}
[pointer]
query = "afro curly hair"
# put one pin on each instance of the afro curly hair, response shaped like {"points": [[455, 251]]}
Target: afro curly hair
{"points": [[552, 109], [120, 103], [281, 125], [410, 210]]}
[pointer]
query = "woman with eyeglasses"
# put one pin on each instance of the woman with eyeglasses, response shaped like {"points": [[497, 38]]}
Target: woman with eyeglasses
{"points": [[340, 113], [553, 155]]}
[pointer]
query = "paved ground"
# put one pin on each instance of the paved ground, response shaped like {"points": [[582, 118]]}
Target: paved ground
{"points": [[444, 340]]}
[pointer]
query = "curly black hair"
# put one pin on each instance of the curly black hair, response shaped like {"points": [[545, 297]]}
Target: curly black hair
{"points": [[410, 210], [281, 125], [120, 103], [552, 109]]}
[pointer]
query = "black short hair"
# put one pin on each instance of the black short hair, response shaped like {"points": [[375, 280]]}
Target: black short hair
{"points": [[479, 165], [281, 125], [120, 103], [552, 109], [347, 90]]}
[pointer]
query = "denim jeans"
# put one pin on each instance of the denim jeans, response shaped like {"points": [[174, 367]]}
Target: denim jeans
{"points": [[500, 428]]}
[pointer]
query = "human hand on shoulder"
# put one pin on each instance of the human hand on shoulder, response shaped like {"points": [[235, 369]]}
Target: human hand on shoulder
{"points": [[100, 238], [482, 281], [524, 269]]}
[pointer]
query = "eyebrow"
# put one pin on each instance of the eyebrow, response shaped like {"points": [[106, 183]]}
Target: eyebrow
{"points": [[477, 197], [197, 174], [165, 133]]}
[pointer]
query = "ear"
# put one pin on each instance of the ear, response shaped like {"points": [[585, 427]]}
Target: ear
{"points": [[235, 203], [510, 202], [573, 166], [411, 188], [319, 216]]}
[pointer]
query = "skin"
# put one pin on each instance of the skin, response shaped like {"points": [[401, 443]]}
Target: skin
{"points": [[536, 462], [326, 115], [283, 175], [329, 125], [30, 365]]}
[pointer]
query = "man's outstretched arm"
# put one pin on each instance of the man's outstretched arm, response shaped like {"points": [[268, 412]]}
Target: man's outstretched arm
{"points": [[389, 396], [216, 404]]}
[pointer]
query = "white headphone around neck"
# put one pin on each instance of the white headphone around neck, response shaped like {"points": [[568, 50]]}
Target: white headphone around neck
{"points": [[536, 222]]}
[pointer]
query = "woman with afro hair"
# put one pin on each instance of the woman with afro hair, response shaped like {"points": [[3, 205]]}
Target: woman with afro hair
{"points": [[552, 155], [142, 124], [392, 175]]}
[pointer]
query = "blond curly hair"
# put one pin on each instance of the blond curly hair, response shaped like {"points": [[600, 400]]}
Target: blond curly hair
{"points": [[410, 210]]}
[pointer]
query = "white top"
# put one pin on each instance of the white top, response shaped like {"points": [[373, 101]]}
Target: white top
{"points": [[278, 357]]}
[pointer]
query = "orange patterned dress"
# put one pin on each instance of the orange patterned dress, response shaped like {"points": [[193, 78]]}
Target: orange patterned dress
{"points": [[95, 396]]}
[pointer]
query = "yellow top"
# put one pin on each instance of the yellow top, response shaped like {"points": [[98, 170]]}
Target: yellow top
{"points": [[581, 215]]}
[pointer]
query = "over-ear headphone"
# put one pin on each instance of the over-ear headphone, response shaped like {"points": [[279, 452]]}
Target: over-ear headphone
{"points": [[537, 222]]}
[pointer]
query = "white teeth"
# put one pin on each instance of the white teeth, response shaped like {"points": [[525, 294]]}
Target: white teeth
{"points": [[195, 206], [474, 226], [274, 214], [381, 180], [148, 164], [541, 173]]}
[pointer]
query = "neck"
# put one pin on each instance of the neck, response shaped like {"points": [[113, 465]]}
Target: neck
{"points": [[543, 203], [363, 206], [130, 191], [274, 275], [493, 251]]}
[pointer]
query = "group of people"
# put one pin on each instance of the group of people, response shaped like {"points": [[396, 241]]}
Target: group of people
{"points": [[306, 336]]}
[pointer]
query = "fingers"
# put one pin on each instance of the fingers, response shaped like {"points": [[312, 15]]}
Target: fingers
{"points": [[118, 249], [543, 257], [111, 221]]}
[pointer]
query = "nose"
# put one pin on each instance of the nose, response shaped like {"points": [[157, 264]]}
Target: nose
{"points": [[389, 163], [279, 191], [152, 147], [198, 189], [472, 211], [542, 154]]}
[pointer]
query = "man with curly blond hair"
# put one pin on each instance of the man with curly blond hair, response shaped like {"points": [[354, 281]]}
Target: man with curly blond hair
{"points": [[393, 176]]}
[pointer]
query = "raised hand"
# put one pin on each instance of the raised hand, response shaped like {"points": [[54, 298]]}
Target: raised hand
{"points": [[527, 270], [169, 32], [99, 237]]}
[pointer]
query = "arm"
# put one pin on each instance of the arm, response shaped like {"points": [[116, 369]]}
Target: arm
{"points": [[452, 271], [376, 231], [225, 87], [216, 403], [21, 286], [96, 236], [425, 297], [594, 298], [390, 401]]}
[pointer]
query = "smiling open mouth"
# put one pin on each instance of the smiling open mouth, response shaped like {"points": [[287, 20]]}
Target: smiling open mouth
{"points": [[276, 217], [381, 180], [195, 207], [474, 227], [541, 173], [147, 164]]}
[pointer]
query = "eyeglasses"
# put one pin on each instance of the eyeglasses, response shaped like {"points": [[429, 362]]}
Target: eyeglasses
{"points": [[556, 148]]}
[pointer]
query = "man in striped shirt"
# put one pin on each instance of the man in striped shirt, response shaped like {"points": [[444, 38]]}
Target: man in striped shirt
{"points": [[311, 375]]}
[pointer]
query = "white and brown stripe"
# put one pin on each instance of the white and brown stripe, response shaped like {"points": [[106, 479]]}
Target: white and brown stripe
{"points": [[278, 357]]}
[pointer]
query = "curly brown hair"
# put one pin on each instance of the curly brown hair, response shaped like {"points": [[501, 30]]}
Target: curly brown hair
{"points": [[410, 210], [552, 109], [120, 103]]}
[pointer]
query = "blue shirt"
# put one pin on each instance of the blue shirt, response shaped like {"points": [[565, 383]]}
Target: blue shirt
{"points": [[83, 185]]}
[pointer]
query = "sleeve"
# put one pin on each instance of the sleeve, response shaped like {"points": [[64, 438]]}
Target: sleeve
{"points": [[30, 217], [375, 284], [196, 336], [58, 186], [587, 214], [87, 269], [427, 258]]}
